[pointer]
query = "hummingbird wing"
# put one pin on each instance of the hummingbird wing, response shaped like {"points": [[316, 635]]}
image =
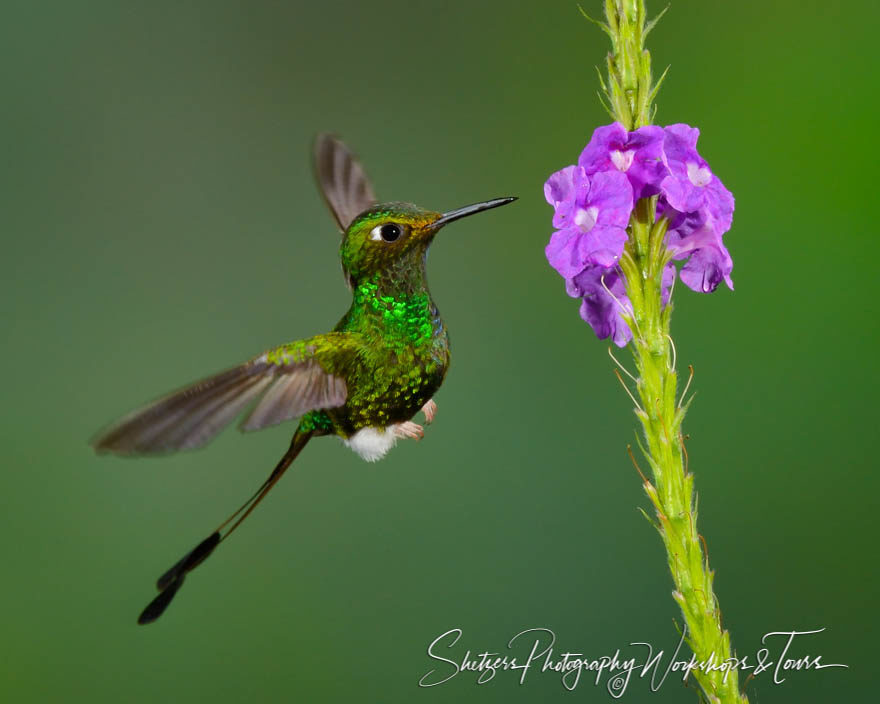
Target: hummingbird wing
{"points": [[342, 180], [285, 383]]}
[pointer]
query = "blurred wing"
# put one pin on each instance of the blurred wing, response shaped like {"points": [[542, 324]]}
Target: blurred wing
{"points": [[191, 417], [342, 180], [295, 391]]}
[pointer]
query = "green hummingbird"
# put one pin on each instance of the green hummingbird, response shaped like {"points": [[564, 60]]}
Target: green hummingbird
{"points": [[363, 382]]}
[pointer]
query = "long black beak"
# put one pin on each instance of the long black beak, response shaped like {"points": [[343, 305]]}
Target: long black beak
{"points": [[468, 210]]}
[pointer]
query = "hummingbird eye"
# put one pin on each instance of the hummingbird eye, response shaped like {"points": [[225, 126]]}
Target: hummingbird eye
{"points": [[389, 232]]}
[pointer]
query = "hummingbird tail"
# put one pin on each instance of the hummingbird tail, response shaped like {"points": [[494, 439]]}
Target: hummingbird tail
{"points": [[171, 581]]}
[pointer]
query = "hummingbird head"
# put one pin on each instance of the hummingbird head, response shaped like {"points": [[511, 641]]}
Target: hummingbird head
{"points": [[378, 238], [394, 237]]}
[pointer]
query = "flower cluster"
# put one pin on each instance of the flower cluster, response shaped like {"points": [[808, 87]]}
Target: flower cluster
{"points": [[593, 202]]}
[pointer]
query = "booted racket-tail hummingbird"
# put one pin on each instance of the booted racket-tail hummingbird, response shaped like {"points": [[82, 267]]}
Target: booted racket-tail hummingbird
{"points": [[364, 382]]}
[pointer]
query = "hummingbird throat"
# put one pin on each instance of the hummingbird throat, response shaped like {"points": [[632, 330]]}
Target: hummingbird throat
{"points": [[401, 305], [407, 317]]}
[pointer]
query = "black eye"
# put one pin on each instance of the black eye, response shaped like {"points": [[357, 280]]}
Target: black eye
{"points": [[389, 232]]}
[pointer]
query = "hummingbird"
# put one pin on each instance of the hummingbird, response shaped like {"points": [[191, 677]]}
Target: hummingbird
{"points": [[364, 382]]}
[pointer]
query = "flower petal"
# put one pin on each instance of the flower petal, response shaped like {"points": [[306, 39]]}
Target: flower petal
{"points": [[692, 231], [568, 252], [706, 268], [638, 154], [612, 194], [565, 190], [604, 298], [680, 142], [719, 203], [603, 245], [560, 186], [596, 156]]}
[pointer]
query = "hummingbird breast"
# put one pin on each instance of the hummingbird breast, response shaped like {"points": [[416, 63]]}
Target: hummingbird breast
{"points": [[403, 363]]}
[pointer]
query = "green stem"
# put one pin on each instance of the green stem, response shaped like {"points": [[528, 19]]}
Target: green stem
{"points": [[630, 96]]}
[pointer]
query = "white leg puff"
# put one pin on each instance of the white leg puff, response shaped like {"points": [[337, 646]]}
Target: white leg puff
{"points": [[372, 443]]}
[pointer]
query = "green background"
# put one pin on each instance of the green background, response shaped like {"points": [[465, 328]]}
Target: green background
{"points": [[159, 222]]}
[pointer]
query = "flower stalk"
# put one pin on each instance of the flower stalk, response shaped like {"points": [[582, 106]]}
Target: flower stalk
{"points": [[630, 95]]}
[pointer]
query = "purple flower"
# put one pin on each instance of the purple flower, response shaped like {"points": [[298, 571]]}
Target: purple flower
{"points": [[700, 211], [697, 238], [690, 184], [603, 291], [592, 204], [602, 305], [638, 154], [591, 214]]}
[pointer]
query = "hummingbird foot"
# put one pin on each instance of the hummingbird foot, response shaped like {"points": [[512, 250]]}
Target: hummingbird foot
{"points": [[429, 409], [409, 430]]}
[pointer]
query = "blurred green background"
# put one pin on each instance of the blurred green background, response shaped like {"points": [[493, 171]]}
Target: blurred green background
{"points": [[160, 222]]}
